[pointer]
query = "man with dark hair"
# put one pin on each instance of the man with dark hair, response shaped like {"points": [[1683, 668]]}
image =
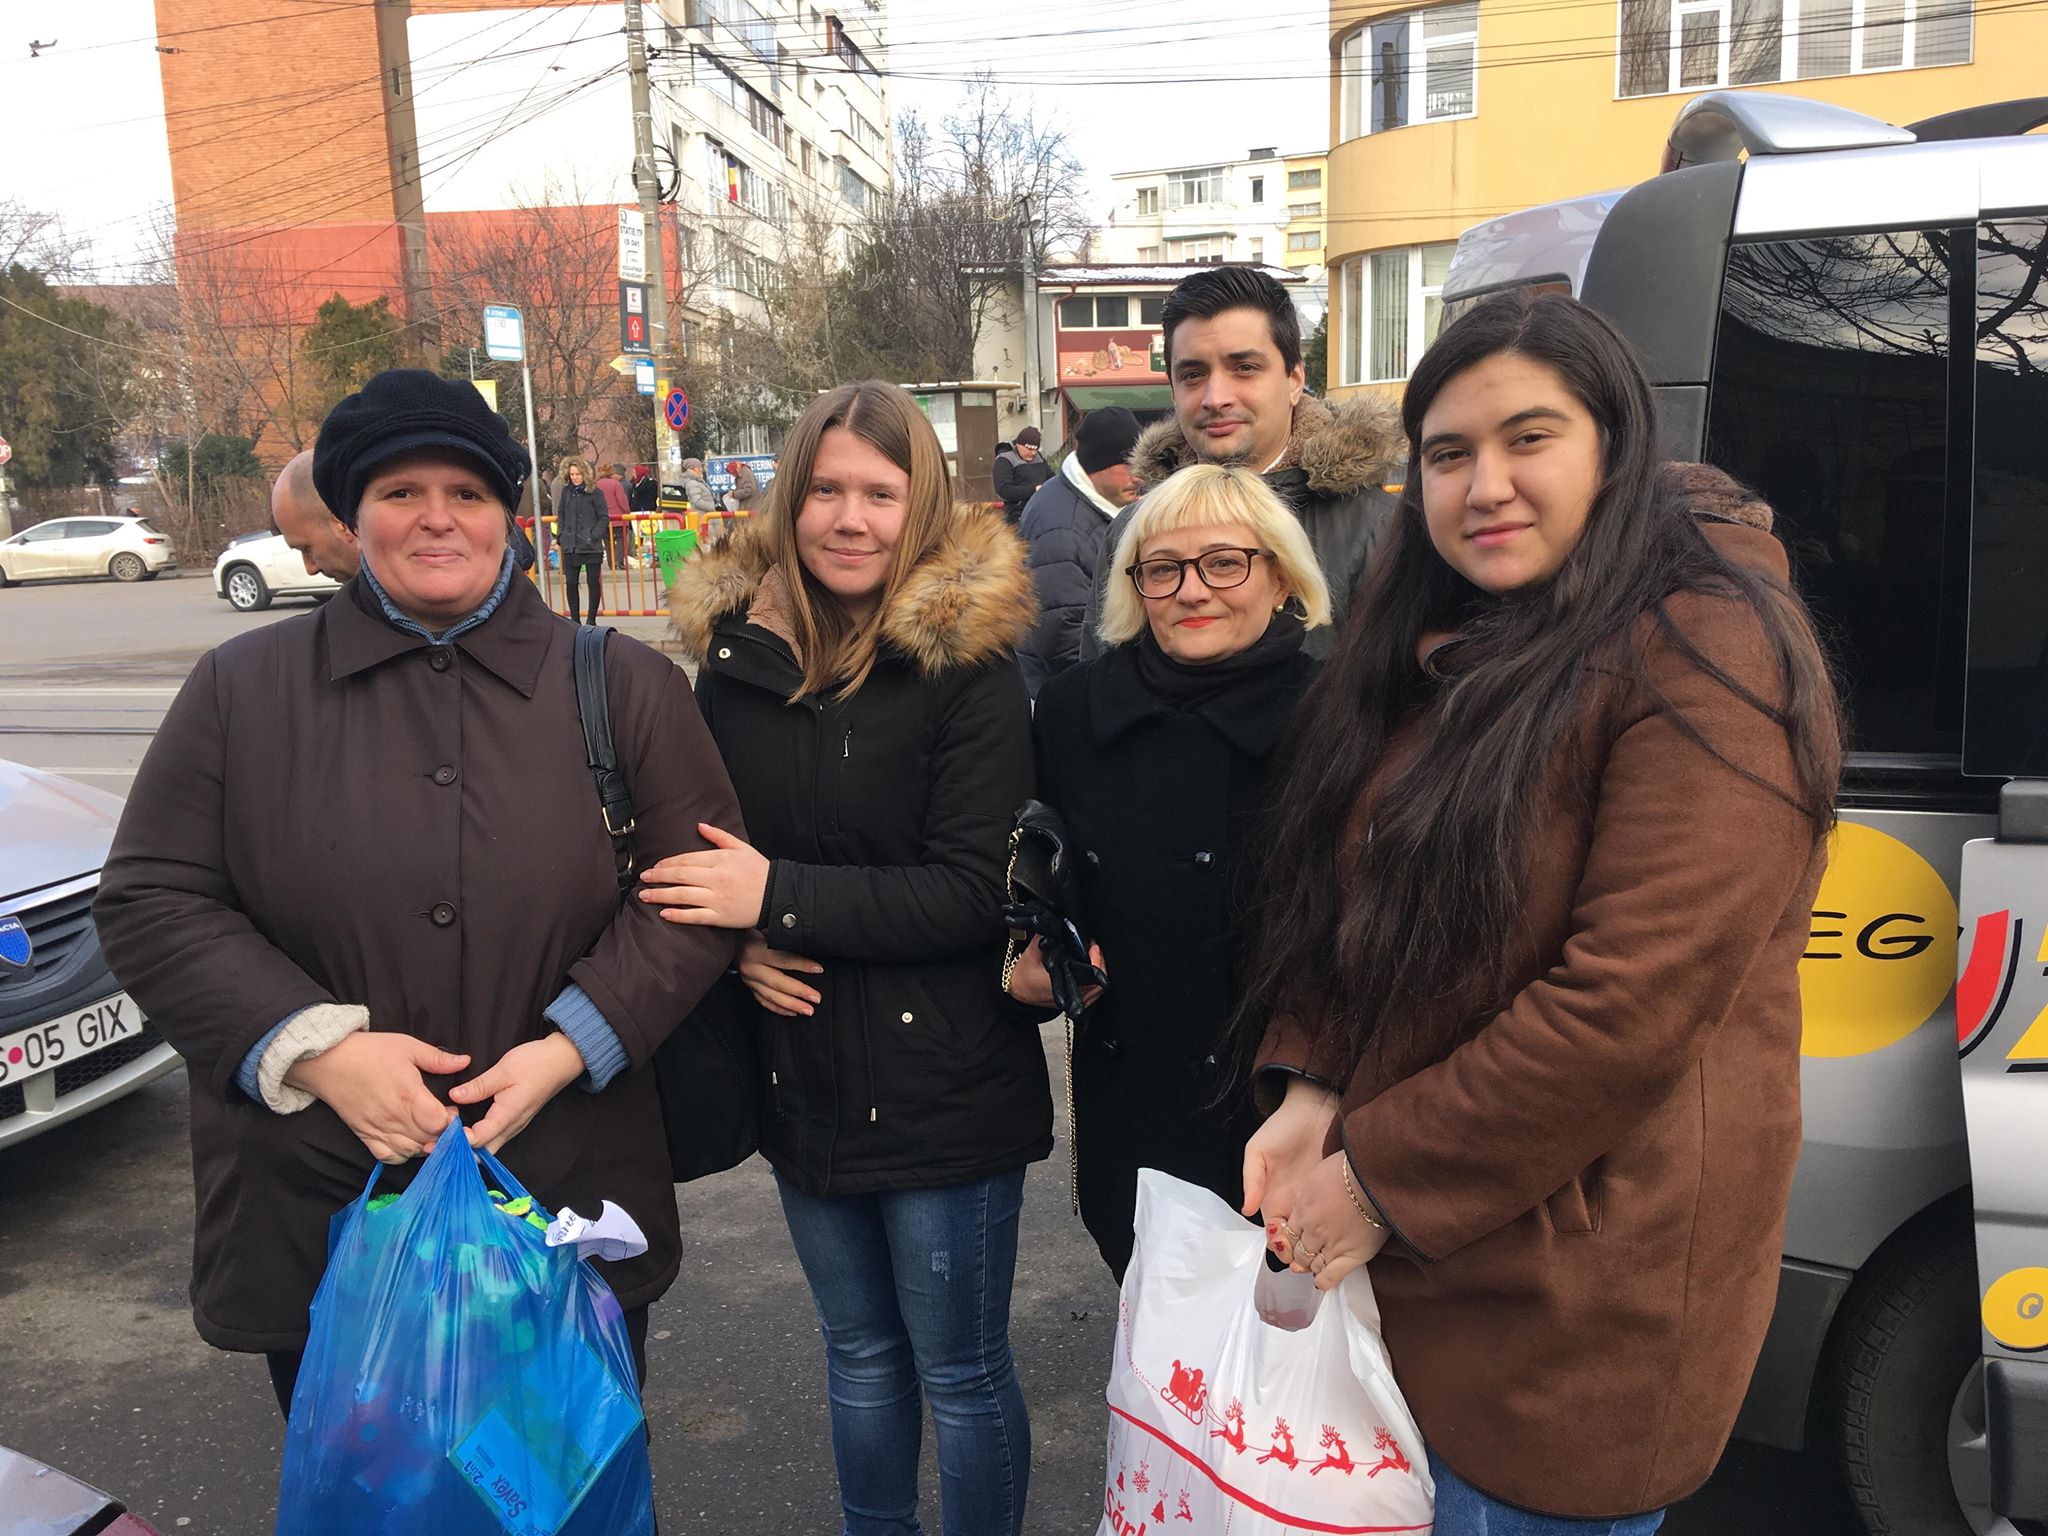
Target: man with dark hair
{"points": [[1233, 356], [1019, 471], [1064, 523]]}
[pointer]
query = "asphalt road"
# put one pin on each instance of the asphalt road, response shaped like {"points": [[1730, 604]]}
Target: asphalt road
{"points": [[105, 1378]]}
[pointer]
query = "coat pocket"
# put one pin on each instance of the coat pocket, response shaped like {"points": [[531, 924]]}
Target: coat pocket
{"points": [[1575, 1209]]}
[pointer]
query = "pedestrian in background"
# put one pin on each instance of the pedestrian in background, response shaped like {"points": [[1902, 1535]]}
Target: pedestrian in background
{"points": [[323, 541], [1528, 974], [1155, 755], [618, 510], [1064, 524], [581, 525], [1233, 354], [1019, 471], [745, 496], [643, 491], [856, 670], [319, 894]]}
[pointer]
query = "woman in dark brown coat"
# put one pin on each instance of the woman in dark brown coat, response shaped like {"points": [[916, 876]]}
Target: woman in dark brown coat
{"points": [[1531, 1019], [363, 877]]}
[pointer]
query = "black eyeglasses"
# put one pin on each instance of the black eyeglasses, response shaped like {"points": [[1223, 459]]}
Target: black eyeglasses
{"points": [[1221, 569]]}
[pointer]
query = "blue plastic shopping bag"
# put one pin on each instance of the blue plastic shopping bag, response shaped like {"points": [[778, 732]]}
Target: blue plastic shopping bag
{"points": [[462, 1376]]}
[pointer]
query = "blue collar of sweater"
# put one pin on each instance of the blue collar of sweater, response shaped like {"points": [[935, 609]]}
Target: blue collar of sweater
{"points": [[507, 568]]}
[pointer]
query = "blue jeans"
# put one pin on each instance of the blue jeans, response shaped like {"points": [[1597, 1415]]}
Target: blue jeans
{"points": [[1462, 1510], [913, 1290]]}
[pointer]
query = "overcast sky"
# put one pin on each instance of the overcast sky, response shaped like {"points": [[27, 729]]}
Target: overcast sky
{"points": [[1136, 83]]}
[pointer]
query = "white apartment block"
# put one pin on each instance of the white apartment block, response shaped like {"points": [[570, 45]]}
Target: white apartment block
{"points": [[1267, 207], [767, 114]]}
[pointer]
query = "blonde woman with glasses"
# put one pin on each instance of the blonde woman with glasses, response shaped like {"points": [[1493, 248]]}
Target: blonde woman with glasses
{"points": [[1155, 754]]}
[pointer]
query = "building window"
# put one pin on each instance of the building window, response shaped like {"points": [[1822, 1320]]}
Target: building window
{"points": [[1258, 189], [1148, 253], [1107, 311], [1151, 308], [841, 47], [869, 137], [853, 189], [1414, 68], [1687, 45], [1258, 249], [1304, 210], [1189, 189], [1305, 240], [1197, 248], [1393, 308], [1304, 181], [1148, 202]]}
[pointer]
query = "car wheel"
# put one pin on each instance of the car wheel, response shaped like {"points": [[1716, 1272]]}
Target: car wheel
{"points": [[127, 567], [151, 575], [245, 589], [3, 576], [1904, 1351]]}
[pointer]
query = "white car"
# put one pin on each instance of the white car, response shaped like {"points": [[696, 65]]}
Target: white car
{"points": [[125, 548], [70, 1038], [257, 567]]}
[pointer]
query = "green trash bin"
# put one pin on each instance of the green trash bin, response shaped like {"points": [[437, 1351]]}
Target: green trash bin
{"points": [[672, 546]]}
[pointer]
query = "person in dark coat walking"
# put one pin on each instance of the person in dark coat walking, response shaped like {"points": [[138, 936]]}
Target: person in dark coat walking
{"points": [[1019, 471], [324, 894], [643, 491], [1233, 354], [1064, 523], [581, 524], [856, 671], [1155, 755]]}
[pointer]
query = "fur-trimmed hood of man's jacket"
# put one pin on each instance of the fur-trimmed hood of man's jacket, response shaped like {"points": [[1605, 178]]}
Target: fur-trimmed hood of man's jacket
{"points": [[1341, 449], [967, 603]]}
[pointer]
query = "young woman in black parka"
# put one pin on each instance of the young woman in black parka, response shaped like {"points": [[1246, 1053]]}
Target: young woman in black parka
{"points": [[856, 646]]}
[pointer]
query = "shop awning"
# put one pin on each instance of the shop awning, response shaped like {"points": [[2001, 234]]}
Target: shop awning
{"points": [[1135, 397]]}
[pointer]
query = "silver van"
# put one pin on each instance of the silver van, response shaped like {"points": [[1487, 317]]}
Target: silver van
{"points": [[1852, 317]]}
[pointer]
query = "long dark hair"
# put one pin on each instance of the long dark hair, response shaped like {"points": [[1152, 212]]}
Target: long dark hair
{"points": [[1358, 941]]}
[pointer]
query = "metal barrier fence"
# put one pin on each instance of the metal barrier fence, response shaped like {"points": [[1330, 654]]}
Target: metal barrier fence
{"points": [[628, 576]]}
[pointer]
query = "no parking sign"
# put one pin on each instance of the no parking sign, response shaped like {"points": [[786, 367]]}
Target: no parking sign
{"points": [[676, 408]]}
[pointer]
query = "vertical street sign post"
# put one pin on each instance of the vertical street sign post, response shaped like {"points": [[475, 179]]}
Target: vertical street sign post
{"points": [[505, 341], [6, 517]]}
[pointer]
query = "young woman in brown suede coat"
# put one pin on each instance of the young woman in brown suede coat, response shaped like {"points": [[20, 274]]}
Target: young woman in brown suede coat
{"points": [[1529, 1021]]}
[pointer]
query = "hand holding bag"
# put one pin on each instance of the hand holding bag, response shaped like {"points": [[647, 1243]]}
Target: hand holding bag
{"points": [[1249, 1401], [462, 1376], [1042, 896]]}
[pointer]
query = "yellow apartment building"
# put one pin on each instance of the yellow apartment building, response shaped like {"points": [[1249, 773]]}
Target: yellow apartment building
{"points": [[1442, 116]]}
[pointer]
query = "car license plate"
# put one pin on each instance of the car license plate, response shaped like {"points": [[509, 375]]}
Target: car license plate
{"points": [[68, 1037]]}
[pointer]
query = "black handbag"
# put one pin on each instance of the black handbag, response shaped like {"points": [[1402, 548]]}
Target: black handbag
{"points": [[1042, 896], [708, 1069]]}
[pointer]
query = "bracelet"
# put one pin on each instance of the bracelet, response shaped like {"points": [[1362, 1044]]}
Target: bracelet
{"points": [[1358, 1205]]}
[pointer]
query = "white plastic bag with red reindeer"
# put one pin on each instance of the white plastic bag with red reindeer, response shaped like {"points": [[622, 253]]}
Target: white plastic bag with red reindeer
{"points": [[1248, 1403]]}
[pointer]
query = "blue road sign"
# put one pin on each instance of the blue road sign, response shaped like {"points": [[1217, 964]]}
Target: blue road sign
{"points": [[504, 333], [677, 409]]}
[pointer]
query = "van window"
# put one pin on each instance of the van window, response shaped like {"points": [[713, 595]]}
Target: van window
{"points": [[1830, 395], [2005, 727]]}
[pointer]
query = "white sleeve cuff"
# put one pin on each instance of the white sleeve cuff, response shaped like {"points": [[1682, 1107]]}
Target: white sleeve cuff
{"points": [[307, 1033]]}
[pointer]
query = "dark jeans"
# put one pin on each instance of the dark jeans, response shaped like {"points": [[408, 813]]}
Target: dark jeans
{"points": [[1462, 1510], [913, 1290], [586, 565], [284, 1364]]}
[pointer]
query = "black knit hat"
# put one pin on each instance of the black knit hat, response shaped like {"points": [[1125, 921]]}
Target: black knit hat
{"points": [[401, 411], [1106, 436]]}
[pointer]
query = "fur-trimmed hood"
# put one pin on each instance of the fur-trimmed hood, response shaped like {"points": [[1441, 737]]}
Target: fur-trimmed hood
{"points": [[1340, 449], [967, 603]]}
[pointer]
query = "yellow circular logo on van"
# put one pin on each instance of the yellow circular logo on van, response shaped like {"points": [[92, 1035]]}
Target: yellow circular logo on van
{"points": [[2016, 1310], [1881, 956]]}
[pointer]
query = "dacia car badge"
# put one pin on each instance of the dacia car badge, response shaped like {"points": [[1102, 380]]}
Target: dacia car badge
{"points": [[17, 952]]}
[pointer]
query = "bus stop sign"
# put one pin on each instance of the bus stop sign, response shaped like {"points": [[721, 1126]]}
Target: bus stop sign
{"points": [[677, 409]]}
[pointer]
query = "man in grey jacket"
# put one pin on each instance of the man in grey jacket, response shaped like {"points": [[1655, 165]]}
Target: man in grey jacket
{"points": [[1233, 355], [1064, 523]]}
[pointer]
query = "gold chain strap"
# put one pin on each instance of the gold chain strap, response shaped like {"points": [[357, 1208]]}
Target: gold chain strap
{"points": [[1013, 947], [1357, 1204]]}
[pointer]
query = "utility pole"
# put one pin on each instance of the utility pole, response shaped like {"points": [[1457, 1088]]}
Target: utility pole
{"points": [[1030, 315], [647, 182]]}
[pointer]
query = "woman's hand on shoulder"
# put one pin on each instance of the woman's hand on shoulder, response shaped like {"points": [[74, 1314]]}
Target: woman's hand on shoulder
{"points": [[373, 1080], [722, 886], [771, 975], [518, 1086]]}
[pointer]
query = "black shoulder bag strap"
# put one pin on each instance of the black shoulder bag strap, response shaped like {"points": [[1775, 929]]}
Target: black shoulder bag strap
{"points": [[594, 704]]}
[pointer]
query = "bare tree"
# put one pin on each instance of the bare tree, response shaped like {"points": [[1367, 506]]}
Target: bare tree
{"points": [[36, 238]]}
